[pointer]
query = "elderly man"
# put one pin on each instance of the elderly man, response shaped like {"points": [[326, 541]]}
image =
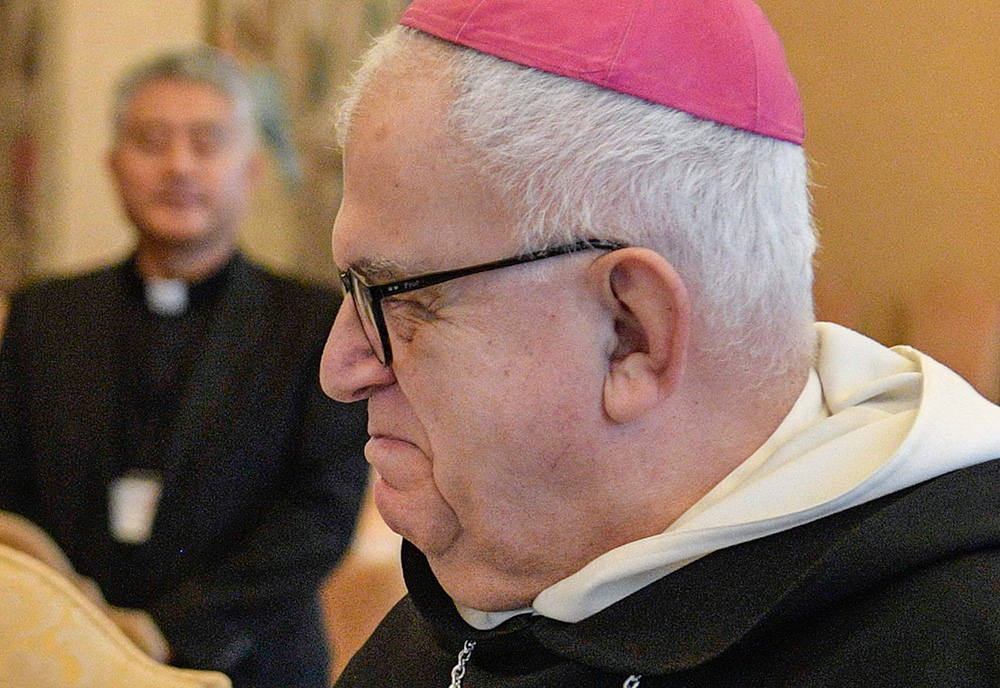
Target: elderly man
{"points": [[620, 451], [162, 419]]}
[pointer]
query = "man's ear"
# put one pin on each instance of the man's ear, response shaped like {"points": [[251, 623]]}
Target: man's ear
{"points": [[649, 304], [254, 169], [112, 163]]}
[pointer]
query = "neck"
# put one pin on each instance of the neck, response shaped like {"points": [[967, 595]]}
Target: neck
{"points": [[702, 434], [185, 263]]}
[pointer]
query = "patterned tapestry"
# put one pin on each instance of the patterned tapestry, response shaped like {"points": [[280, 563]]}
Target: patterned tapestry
{"points": [[299, 53], [20, 38]]}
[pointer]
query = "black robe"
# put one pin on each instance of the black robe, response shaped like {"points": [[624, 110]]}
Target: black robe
{"points": [[262, 474], [903, 591]]}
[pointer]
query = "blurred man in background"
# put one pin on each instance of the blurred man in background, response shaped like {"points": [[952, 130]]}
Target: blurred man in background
{"points": [[161, 418]]}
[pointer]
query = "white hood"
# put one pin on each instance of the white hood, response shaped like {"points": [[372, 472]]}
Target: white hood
{"points": [[870, 421]]}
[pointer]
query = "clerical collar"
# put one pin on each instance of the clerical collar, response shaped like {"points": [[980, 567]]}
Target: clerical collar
{"points": [[168, 298]]}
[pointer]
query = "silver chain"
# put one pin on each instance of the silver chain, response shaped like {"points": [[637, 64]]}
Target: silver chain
{"points": [[463, 657], [458, 672]]}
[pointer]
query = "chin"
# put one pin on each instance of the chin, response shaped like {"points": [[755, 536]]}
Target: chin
{"points": [[177, 227], [482, 587], [179, 236]]}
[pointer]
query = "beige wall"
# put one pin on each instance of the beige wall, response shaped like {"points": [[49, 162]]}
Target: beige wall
{"points": [[902, 112]]}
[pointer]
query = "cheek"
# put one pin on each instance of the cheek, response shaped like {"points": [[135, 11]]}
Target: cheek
{"points": [[230, 190], [502, 384], [515, 481], [516, 420], [504, 403], [215, 182], [134, 181]]}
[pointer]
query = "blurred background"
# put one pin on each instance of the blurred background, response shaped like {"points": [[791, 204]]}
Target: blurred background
{"points": [[60, 60], [902, 105], [902, 114]]}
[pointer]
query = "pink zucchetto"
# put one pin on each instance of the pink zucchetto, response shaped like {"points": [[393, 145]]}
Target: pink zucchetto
{"points": [[719, 60]]}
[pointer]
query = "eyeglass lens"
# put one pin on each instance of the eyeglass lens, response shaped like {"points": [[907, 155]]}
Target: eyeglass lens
{"points": [[366, 314]]}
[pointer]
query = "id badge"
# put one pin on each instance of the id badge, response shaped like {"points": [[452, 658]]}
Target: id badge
{"points": [[132, 502]]}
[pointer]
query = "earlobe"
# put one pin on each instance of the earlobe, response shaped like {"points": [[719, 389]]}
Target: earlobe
{"points": [[254, 168], [651, 312], [111, 162]]}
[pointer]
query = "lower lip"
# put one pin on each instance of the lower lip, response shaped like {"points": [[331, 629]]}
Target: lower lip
{"points": [[390, 455], [381, 443], [382, 492], [393, 460], [180, 197]]}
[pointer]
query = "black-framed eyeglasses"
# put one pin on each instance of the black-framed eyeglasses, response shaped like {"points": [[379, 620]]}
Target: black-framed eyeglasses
{"points": [[368, 297]]}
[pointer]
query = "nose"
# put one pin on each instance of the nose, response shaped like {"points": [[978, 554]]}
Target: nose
{"points": [[349, 370], [180, 155]]}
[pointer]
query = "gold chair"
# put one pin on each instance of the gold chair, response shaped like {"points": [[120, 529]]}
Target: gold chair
{"points": [[53, 636]]}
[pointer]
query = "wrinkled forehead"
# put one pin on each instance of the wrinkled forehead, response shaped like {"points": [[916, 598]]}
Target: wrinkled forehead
{"points": [[414, 198]]}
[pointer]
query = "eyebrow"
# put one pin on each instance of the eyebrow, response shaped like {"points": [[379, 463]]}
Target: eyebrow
{"points": [[382, 270], [196, 128]]}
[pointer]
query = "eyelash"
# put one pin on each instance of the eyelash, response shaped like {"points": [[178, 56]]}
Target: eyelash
{"points": [[414, 306], [405, 315]]}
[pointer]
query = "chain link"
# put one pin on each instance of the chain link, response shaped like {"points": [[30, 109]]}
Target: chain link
{"points": [[463, 657], [458, 672]]}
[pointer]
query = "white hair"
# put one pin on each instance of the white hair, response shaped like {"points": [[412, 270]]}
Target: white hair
{"points": [[729, 209]]}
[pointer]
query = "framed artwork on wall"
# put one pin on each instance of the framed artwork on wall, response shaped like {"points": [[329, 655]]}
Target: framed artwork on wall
{"points": [[21, 28], [298, 54]]}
